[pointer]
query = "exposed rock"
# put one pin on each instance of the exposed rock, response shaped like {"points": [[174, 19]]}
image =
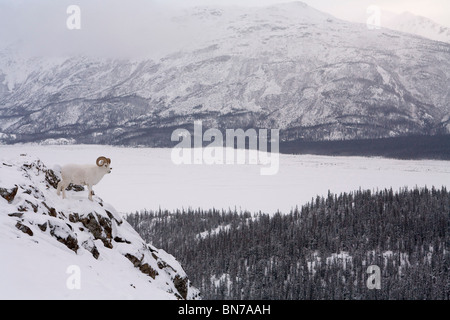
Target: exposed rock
{"points": [[16, 214], [9, 195], [64, 236], [70, 242], [135, 261], [102, 232], [24, 228], [106, 226], [92, 225], [76, 188], [74, 217], [51, 211], [46, 218], [111, 216], [120, 240], [51, 178], [95, 252], [90, 246], [182, 285], [43, 226], [146, 269], [35, 207]]}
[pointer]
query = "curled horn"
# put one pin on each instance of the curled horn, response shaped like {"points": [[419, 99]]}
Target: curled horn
{"points": [[109, 160], [101, 161]]}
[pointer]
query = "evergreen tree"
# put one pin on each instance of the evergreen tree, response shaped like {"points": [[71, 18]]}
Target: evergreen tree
{"points": [[319, 251]]}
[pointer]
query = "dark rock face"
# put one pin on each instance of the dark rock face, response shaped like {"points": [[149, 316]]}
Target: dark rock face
{"points": [[180, 283], [76, 188], [51, 211], [8, 195], [24, 229], [144, 267], [135, 261], [70, 240], [182, 286], [100, 227], [51, 178], [43, 226], [16, 214], [120, 240]]}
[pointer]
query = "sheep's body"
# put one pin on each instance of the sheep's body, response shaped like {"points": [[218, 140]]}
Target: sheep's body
{"points": [[85, 175]]}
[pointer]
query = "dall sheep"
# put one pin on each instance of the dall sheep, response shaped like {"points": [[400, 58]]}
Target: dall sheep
{"points": [[84, 175]]}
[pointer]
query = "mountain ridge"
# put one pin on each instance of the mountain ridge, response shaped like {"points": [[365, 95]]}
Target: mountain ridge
{"points": [[416, 24], [288, 67]]}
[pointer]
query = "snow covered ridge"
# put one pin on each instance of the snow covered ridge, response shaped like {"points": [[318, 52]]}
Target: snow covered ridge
{"points": [[289, 67], [52, 248], [418, 25]]}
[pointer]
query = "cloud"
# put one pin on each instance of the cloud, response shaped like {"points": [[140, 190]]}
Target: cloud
{"points": [[108, 28], [124, 28], [355, 10]]}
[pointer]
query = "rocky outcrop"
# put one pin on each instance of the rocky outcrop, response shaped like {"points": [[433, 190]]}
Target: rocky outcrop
{"points": [[28, 198], [144, 267], [8, 195], [24, 228]]}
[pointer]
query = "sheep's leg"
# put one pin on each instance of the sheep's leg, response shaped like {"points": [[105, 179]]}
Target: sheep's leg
{"points": [[61, 187], [58, 188], [90, 192]]}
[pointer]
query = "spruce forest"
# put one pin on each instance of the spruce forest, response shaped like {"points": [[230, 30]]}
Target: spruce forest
{"points": [[320, 251]]}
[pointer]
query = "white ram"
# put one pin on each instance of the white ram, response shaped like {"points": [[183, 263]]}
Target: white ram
{"points": [[84, 175]]}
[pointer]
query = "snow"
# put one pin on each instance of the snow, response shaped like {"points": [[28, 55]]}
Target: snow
{"points": [[42, 264], [384, 74], [41, 267], [288, 63], [224, 278], [344, 259], [213, 232], [146, 178], [35, 269], [340, 258], [414, 24]]}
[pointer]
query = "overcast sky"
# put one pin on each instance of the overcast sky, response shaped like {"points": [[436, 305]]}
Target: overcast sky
{"points": [[40, 24], [354, 10]]}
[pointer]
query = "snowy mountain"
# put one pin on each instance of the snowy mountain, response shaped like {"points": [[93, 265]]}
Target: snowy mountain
{"points": [[418, 25], [52, 248], [285, 66]]}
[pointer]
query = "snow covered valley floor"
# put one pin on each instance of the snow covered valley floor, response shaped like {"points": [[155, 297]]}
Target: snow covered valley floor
{"points": [[147, 178]]}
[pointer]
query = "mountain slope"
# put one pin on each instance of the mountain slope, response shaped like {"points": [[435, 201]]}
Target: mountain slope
{"points": [[286, 66], [52, 248], [418, 25]]}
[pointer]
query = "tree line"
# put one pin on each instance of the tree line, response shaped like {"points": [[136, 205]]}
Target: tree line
{"points": [[321, 250]]}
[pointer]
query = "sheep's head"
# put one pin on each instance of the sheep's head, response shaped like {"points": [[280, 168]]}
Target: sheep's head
{"points": [[104, 163]]}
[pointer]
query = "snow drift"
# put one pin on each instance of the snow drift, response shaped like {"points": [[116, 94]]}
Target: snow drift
{"points": [[47, 242]]}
